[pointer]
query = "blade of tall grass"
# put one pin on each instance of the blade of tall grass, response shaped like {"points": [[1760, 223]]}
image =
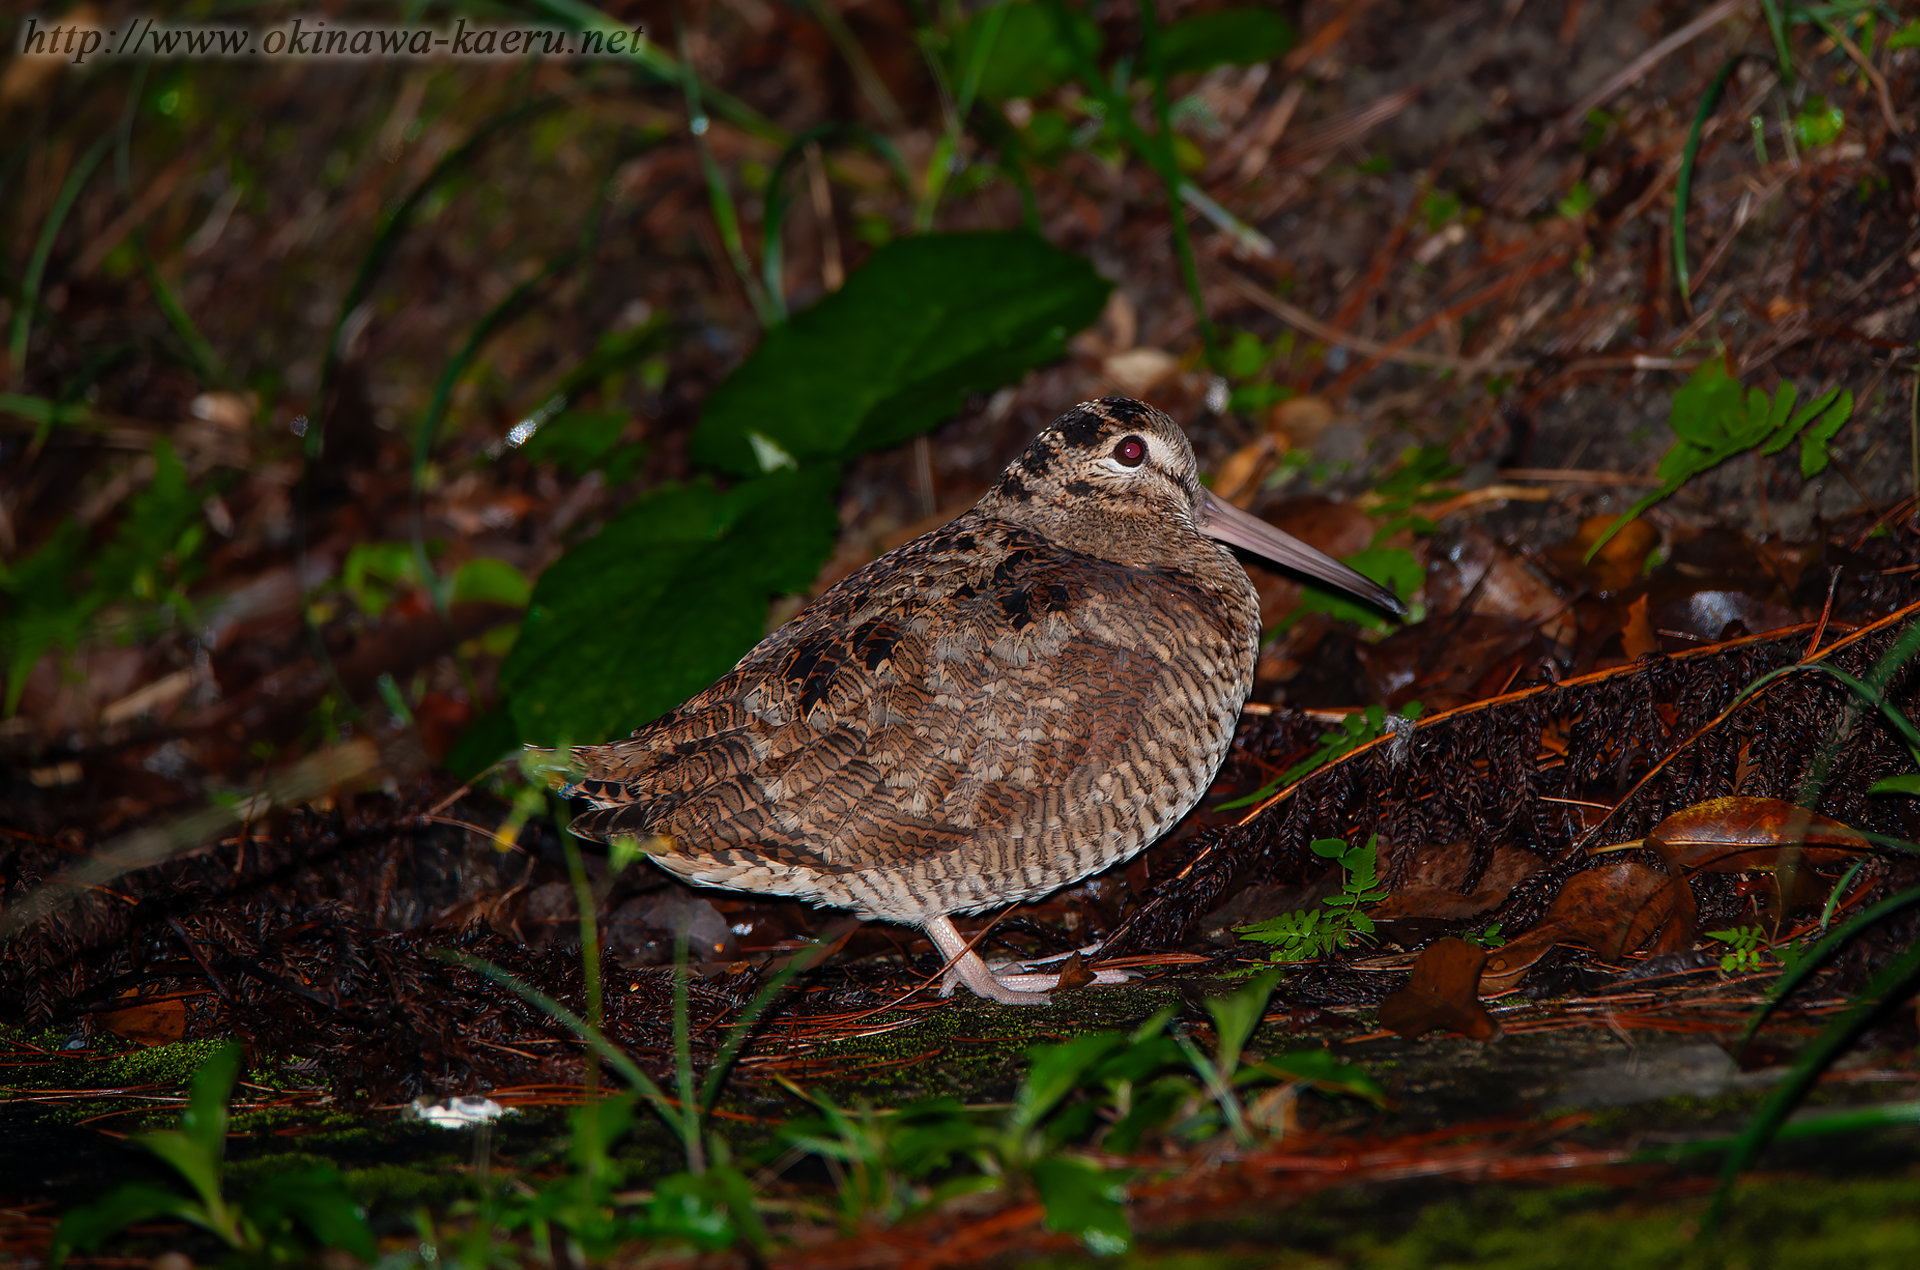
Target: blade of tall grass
{"points": [[1157, 151], [206, 362], [1886, 988], [1851, 1120], [590, 982], [29, 298], [1894, 978], [1683, 186], [669, 1109], [515, 305], [387, 235], [775, 204], [719, 197], [742, 1027], [959, 107], [658, 63], [683, 1057], [1814, 958], [1777, 28], [1863, 689], [864, 73], [1171, 178]]}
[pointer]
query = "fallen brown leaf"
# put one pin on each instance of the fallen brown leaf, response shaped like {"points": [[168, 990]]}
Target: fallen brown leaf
{"points": [[1443, 994], [150, 1023], [1740, 835], [1636, 637]]}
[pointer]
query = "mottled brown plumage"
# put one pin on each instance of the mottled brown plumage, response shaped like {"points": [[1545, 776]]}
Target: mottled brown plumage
{"points": [[1026, 696]]}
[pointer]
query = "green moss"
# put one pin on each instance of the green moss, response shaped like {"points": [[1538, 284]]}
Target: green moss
{"points": [[1796, 1223]]}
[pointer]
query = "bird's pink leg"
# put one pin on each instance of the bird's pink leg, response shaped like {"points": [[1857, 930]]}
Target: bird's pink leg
{"points": [[966, 966]]}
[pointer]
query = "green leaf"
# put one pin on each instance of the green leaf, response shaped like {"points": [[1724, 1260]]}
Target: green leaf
{"points": [[130, 1203], [1814, 441], [1150, 1110], [484, 579], [1577, 202], [1713, 421], [1708, 416], [577, 441], [691, 1210], [372, 568], [204, 1122], [199, 1167], [1083, 1199], [926, 1136], [486, 741], [661, 602], [1236, 1016], [1909, 785], [1056, 1070], [1226, 37], [316, 1198], [927, 321], [1028, 56], [1907, 37], [1818, 124], [42, 611], [1138, 1061], [1327, 1073]]}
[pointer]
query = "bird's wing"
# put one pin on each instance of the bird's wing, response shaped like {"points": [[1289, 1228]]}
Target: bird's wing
{"points": [[970, 689]]}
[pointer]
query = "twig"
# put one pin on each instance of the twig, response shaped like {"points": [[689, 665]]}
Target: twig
{"points": [[1299, 318]]}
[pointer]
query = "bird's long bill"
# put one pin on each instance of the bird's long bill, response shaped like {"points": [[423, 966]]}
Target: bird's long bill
{"points": [[1222, 520]]}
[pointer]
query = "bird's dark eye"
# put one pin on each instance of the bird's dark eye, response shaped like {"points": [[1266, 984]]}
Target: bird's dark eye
{"points": [[1132, 451]]}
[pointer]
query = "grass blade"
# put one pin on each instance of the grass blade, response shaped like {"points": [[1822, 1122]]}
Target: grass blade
{"points": [[1811, 960], [683, 1057], [1851, 1120], [719, 197], [615, 1057], [1684, 185], [738, 1031], [775, 203], [1887, 986], [206, 361], [1777, 28], [656, 62], [392, 226], [29, 298]]}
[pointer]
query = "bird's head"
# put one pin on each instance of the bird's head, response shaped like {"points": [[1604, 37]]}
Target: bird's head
{"points": [[1116, 478]]}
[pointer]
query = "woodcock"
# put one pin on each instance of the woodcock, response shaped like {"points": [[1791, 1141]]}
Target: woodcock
{"points": [[1025, 696]]}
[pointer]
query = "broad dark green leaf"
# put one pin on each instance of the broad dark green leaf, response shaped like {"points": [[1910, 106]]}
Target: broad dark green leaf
{"points": [[925, 322], [1326, 1072], [1028, 56], [662, 602], [487, 740], [1056, 1069], [1228, 37], [576, 440], [1139, 1060], [693, 1209], [89, 1225], [1084, 1199], [316, 1198]]}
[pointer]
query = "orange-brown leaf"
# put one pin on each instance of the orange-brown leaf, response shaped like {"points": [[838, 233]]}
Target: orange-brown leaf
{"points": [[1443, 994], [1738, 835]]}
